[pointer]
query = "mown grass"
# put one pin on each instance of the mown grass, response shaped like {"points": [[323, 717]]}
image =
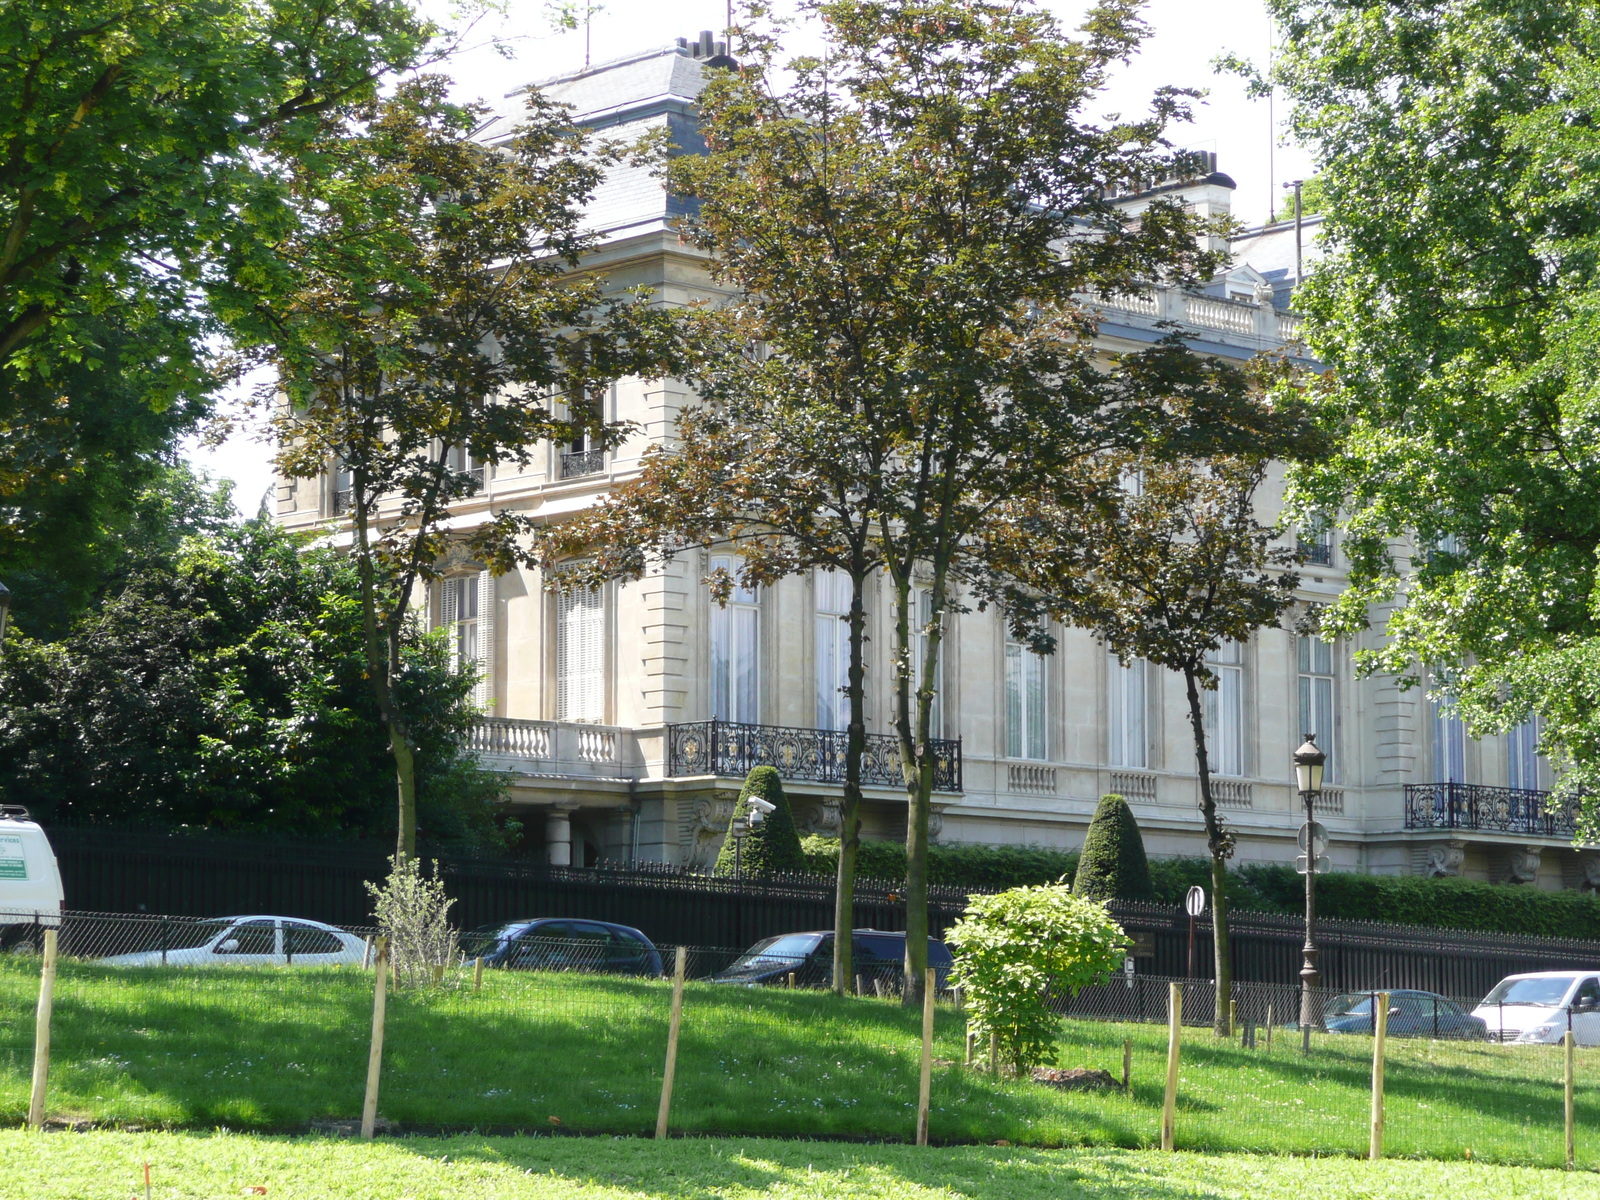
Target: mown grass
{"points": [[275, 1049], [191, 1166]]}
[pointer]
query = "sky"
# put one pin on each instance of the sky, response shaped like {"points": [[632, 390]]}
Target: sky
{"points": [[1187, 35]]}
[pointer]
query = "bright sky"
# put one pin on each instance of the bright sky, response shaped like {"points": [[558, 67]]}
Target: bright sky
{"points": [[1187, 36]]}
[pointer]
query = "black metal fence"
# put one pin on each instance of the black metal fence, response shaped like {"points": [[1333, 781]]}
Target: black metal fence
{"points": [[206, 876], [730, 749]]}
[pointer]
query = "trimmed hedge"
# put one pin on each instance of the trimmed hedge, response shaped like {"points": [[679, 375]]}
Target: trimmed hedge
{"points": [[1254, 887], [772, 847], [1112, 865]]}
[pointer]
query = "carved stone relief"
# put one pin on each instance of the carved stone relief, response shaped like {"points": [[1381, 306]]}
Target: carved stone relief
{"points": [[1590, 866], [821, 816], [1522, 864], [708, 824], [1445, 860]]}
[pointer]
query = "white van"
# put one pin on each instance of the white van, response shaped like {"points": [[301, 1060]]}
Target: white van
{"points": [[1535, 1007], [30, 883]]}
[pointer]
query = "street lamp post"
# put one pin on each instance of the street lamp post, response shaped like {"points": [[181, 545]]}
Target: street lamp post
{"points": [[1308, 763]]}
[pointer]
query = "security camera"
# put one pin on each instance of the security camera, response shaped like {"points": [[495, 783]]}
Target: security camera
{"points": [[757, 804]]}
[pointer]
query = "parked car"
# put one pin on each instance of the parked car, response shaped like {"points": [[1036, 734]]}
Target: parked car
{"points": [[1411, 1014], [1536, 1007], [877, 958], [249, 941], [563, 944]]}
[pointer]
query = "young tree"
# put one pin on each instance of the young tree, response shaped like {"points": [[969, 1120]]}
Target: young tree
{"points": [[437, 309], [1168, 564], [915, 213], [1455, 309]]}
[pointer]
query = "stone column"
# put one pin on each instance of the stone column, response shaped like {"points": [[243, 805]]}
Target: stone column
{"points": [[558, 836]]}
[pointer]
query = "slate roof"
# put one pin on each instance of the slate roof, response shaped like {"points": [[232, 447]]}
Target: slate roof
{"points": [[1270, 250]]}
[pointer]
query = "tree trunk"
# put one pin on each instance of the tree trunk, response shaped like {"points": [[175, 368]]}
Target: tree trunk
{"points": [[405, 771], [1218, 842], [918, 759], [844, 896]]}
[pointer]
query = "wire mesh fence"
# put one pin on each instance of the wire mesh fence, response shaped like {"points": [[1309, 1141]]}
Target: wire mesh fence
{"points": [[163, 1022]]}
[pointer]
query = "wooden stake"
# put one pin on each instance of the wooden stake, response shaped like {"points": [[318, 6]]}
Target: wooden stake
{"points": [[972, 1038], [380, 1004], [925, 1086], [1571, 1074], [438, 974], [1127, 1062], [41, 1032], [791, 981], [477, 973], [994, 1054], [672, 1043], [1169, 1106], [366, 953], [1269, 1029], [1233, 1015], [1380, 1025]]}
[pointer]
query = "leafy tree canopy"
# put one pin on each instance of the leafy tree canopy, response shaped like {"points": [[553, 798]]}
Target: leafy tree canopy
{"points": [[1457, 314], [225, 690]]}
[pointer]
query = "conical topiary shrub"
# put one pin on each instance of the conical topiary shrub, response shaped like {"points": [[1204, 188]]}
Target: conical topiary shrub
{"points": [[1112, 865], [772, 846]]}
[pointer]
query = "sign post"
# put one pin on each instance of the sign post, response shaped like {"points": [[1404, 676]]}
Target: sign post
{"points": [[1194, 904]]}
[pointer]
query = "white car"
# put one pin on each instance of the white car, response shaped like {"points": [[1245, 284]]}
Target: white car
{"points": [[1536, 1007], [251, 941]]}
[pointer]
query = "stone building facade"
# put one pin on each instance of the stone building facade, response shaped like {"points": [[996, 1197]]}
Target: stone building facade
{"points": [[626, 716]]}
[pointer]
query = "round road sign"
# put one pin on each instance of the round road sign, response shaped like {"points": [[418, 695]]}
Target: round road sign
{"points": [[1195, 902]]}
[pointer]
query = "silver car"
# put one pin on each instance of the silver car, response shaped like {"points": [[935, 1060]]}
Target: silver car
{"points": [[251, 941]]}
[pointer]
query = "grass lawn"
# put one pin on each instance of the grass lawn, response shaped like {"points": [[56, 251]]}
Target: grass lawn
{"points": [[92, 1166], [274, 1049]]}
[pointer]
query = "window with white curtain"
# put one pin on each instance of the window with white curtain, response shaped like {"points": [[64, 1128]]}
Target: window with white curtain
{"points": [[735, 651], [921, 631], [1316, 699], [1522, 756], [1128, 703], [466, 609], [581, 655], [1225, 710], [1025, 702], [1449, 744], [833, 649]]}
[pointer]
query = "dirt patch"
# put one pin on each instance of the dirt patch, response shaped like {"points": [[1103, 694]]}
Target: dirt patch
{"points": [[1074, 1078]]}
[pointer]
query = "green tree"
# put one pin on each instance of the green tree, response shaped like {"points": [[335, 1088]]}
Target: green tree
{"points": [[917, 211], [1112, 864], [224, 690], [1168, 564], [1455, 311], [436, 322], [197, 97], [1017, 951], [772, 846]]}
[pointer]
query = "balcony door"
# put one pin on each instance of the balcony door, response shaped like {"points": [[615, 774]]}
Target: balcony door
{"points": [[833, 649], [466, 610], [735, 651]]}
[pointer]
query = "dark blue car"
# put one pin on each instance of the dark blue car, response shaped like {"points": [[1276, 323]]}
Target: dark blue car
{"points": [[565, 944], [1411, 1014], [877, 959]]}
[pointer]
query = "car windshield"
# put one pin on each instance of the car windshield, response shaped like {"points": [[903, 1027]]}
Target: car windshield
{"points": [[789, 949], [1530, 991], [190, 935]]}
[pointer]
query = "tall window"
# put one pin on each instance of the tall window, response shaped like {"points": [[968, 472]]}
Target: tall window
{"points": [[1225, 710], [1316, 699], [919, 654], [735, 652], [581, 655], [833, 649], [1522, 756], [1128, 704], [1025, 728], [466, 608], [1449, 745]]}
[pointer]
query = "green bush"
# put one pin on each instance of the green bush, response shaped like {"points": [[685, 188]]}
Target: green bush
{"points": [[965, 865], [773, 847], [1019, 949], [1113, 864]]}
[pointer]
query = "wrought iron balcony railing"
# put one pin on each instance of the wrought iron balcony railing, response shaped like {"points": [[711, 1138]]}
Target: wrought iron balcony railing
{"points": [[731, 749], [1318, 553], [1473, 806], [582, 462]]}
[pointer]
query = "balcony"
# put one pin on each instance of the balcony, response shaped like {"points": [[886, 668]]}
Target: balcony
{"points": [[1476, 808], [728, 749], [578, 463], [566, 748], [1318, 553]]}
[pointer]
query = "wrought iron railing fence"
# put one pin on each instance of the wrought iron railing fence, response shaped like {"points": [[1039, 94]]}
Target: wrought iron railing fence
{"points": [[1475, 806], [731, 749]]}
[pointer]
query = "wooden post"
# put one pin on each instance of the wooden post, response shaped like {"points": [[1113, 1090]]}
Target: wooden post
{"points": [[41, 1032], [1127, 1063], [994, 1054], [858, 985], [791, 981], [972, 1038], [380, 1004], [438, 974], [1571, 1075], [366, 953], [1233, 1014], [1269, 1029], [1380, 1036], [477, 973], [672, 1043], [925, 1086], [1169, 1106]]}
